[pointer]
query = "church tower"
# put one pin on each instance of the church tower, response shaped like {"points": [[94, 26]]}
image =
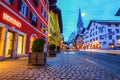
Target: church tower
{"points": [[80, 26]]}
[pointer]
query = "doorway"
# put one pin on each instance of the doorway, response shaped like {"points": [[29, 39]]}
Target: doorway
{"points": [[20, 44]]}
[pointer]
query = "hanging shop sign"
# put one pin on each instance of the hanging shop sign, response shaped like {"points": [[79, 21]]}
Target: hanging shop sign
{"points": [[44, 28], [12, 20]]}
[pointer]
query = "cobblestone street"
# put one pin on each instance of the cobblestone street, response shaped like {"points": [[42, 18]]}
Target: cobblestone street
{"points": [[65, 66]]}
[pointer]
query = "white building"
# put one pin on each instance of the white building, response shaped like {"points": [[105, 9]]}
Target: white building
{"points": [[102, 34]]}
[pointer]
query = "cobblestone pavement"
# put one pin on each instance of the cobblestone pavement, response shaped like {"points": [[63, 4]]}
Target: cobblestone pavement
{"points": [[65, 66], [103, 51]]}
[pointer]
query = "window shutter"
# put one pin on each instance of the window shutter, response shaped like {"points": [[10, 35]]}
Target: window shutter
{"points": [[26, 11], [36, 20], [19, 4], [30, 16]]}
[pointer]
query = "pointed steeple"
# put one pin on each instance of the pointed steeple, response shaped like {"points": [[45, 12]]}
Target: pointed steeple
{"points": [[79, 17], [79, 23]]}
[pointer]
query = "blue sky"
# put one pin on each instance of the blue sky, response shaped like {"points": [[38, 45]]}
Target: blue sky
{"points": [[93, 9]]}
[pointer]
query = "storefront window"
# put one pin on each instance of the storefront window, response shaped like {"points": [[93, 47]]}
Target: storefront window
{"points": [[2, 36], [20, 44], [9, 44], [1, 42]]}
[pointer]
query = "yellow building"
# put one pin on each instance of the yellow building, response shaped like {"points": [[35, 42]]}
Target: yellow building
{"points": [[54, 36]]}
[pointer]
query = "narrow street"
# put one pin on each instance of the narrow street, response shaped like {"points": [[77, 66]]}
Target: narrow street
{"points": [[70, 65]]}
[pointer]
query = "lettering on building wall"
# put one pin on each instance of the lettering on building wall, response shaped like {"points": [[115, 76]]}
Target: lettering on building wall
{"points": [[11, 20]]}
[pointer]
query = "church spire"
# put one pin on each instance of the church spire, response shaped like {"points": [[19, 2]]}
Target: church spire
{"points": [[79, 16], [79, 23]]}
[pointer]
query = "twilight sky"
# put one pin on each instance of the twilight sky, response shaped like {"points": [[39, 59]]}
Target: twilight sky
{"points": [[93, 9]]}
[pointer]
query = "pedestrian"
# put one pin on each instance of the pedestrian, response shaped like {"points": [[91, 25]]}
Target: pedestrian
{"points": [[45, 53]]}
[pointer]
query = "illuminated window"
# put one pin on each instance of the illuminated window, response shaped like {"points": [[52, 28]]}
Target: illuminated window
{"points": [[20, 44], [2, 37], [9, 44]]}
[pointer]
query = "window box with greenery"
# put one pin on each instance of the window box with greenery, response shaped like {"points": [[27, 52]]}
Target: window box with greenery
{"points": [[52, 52], [37, 54]]}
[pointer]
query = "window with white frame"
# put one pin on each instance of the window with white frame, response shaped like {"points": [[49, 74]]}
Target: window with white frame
{"points": [[33, 19], [22, 8]]}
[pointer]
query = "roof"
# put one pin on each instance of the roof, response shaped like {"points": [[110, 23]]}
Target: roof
{"points": [[52, 1], [118, 12], [83, 30], [103, 22]]}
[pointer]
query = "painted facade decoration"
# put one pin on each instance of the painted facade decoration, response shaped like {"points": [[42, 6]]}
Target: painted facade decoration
{"points": [[103, 34]]}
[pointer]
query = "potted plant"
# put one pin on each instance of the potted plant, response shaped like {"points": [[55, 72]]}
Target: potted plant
{"points": [[37, 54], [52, 51]]}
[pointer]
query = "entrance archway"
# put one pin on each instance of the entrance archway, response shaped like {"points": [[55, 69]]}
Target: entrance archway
{"points": [[33, 37]]}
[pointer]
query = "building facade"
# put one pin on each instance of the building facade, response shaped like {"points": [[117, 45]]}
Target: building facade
{"points": [[103, 34], [21, 22], [79, 41], [55, 24], [53, 29]]}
